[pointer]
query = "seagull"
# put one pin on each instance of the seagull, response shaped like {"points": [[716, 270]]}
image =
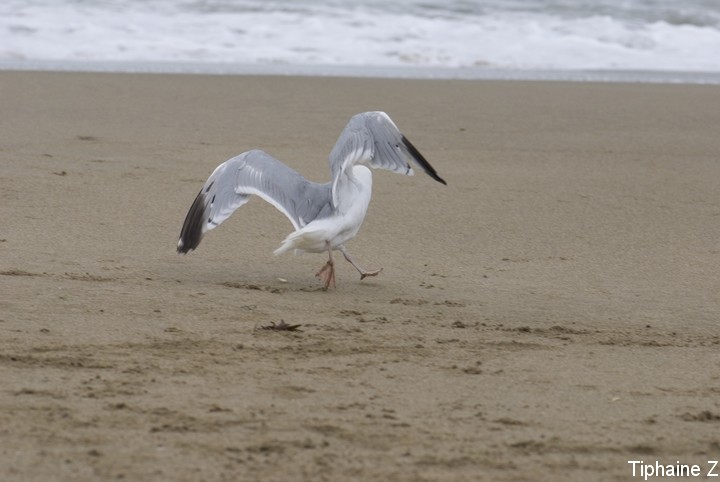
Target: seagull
{"points": [[325, 216]]}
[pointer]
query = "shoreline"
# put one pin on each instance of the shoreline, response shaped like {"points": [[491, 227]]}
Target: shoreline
{"points": [[376, 72]]}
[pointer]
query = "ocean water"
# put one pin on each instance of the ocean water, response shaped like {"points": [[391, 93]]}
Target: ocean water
{"points": [[671, 39]]}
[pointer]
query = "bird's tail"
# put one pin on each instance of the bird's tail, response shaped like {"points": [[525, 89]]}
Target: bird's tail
{"points": [[288, 243], [310, 238]]}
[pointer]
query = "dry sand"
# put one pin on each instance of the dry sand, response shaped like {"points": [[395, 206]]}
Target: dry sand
{"points": [[549, 315]]}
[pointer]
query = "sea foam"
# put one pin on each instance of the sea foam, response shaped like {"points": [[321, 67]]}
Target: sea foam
{"points": [[533, 35]]}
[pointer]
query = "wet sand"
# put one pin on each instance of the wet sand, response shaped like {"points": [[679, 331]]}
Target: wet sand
{"points": [[551, 314]]}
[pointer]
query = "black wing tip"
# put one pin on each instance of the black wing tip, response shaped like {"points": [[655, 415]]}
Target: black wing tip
{"points": [[182, 249], [191, 233], [422, 161]]}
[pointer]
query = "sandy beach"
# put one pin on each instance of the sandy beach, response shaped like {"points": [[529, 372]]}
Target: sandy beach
{"points": [[551, 314]]}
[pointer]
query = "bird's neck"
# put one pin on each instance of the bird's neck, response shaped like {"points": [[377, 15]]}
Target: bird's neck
{"points": [[354, 193]]}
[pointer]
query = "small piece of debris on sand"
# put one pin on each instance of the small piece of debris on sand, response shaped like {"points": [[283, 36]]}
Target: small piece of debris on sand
{"points": [[282, 326]]}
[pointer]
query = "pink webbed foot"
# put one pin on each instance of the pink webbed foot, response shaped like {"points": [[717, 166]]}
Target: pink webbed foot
{"points": [[327, 275], [364, 274]]}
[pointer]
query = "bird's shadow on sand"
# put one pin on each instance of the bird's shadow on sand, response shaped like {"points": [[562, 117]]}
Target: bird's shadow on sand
{"points": [[285, 287]]}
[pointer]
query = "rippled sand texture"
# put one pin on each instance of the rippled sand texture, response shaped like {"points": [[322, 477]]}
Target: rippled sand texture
{"points": [[549, 315]]}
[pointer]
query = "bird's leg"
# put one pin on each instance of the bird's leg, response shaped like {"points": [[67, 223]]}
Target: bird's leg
{"points": [[363, 273], [327, 272]]}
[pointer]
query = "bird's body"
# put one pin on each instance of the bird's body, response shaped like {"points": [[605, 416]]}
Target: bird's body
{"points": [[342, 224], [325, 216]]}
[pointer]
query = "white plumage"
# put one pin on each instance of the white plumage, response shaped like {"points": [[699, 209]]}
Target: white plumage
{"points": [[325, 216]]}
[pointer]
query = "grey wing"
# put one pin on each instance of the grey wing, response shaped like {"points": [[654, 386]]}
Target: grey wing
{"points": [[372, 138], [234, 181]]}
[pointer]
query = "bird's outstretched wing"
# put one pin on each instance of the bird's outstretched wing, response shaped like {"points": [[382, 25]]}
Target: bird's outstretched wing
{"points": [[373, 139], [234, 181]]}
